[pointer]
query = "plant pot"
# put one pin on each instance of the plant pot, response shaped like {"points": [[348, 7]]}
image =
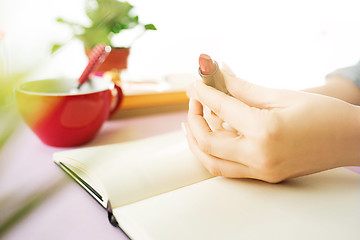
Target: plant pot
{"points": [[116, 60]]}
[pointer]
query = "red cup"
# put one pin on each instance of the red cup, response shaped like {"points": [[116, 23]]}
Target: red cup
{"points": [[60, 115]]}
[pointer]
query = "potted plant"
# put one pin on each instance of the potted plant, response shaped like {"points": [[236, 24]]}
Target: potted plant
{"points": [[107, 19]]}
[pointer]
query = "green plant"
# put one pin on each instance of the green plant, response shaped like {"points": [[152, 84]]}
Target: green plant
{"points": [[14, 207], [108, 18], [8, 114]]}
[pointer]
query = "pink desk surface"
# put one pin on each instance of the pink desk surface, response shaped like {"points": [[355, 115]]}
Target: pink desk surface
{"points": [[26, 166]]}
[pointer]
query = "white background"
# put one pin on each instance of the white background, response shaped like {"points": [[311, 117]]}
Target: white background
{"points": [[286, 44]]}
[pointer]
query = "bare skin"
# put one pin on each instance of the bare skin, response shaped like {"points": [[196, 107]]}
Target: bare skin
{"points": [[276, 134]]}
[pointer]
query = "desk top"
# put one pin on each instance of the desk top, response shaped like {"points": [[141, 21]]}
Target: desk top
{"points": [[62, 209]]}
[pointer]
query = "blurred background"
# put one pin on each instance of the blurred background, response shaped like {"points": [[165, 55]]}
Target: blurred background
{"points": [[279, 43], [286, 44]]}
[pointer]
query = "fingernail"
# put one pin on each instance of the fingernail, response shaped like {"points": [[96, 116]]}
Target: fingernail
{"points": [[183, 128], [227, 69]]}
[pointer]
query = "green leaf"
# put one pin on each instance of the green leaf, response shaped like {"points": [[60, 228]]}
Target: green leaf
{"points": [[107, 18], [60, 20], [94, 35], [150, 27], [118, 27], [55, 47], [8, 113], [28, 204], [71, 24]]}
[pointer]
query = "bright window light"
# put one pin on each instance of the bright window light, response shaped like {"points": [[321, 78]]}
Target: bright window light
{"points": [[286, 44]]}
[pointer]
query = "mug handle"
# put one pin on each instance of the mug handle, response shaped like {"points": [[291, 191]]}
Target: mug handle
{"points": [[119, 95]]}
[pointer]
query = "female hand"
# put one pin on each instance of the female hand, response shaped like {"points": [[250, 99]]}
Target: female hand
{"points": [[279, 134]]}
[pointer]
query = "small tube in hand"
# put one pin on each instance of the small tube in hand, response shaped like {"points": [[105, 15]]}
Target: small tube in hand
{"points": [[212, 76], [210, 73]]}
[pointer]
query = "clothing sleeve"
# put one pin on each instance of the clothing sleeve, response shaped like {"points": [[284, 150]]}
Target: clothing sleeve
{"points": [[351, 73]]}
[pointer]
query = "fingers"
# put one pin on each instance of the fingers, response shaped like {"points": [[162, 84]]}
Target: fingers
{"points": [[233, 111], [254, 95], [222, 144], [190, 91], [216, 166], [214, 122]]}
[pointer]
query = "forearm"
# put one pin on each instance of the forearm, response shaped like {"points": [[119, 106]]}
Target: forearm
{"points": [[339, 87], [356, 139], [352, 147]]}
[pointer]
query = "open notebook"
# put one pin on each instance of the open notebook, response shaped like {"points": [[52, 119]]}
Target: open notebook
{"points": [[158, 190]]}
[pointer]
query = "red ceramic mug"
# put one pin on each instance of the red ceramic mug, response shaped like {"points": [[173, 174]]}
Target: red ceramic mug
{"points": [[62, 118]]}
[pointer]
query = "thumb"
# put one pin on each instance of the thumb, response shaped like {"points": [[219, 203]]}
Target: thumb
{"points": [[252, 94]]}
